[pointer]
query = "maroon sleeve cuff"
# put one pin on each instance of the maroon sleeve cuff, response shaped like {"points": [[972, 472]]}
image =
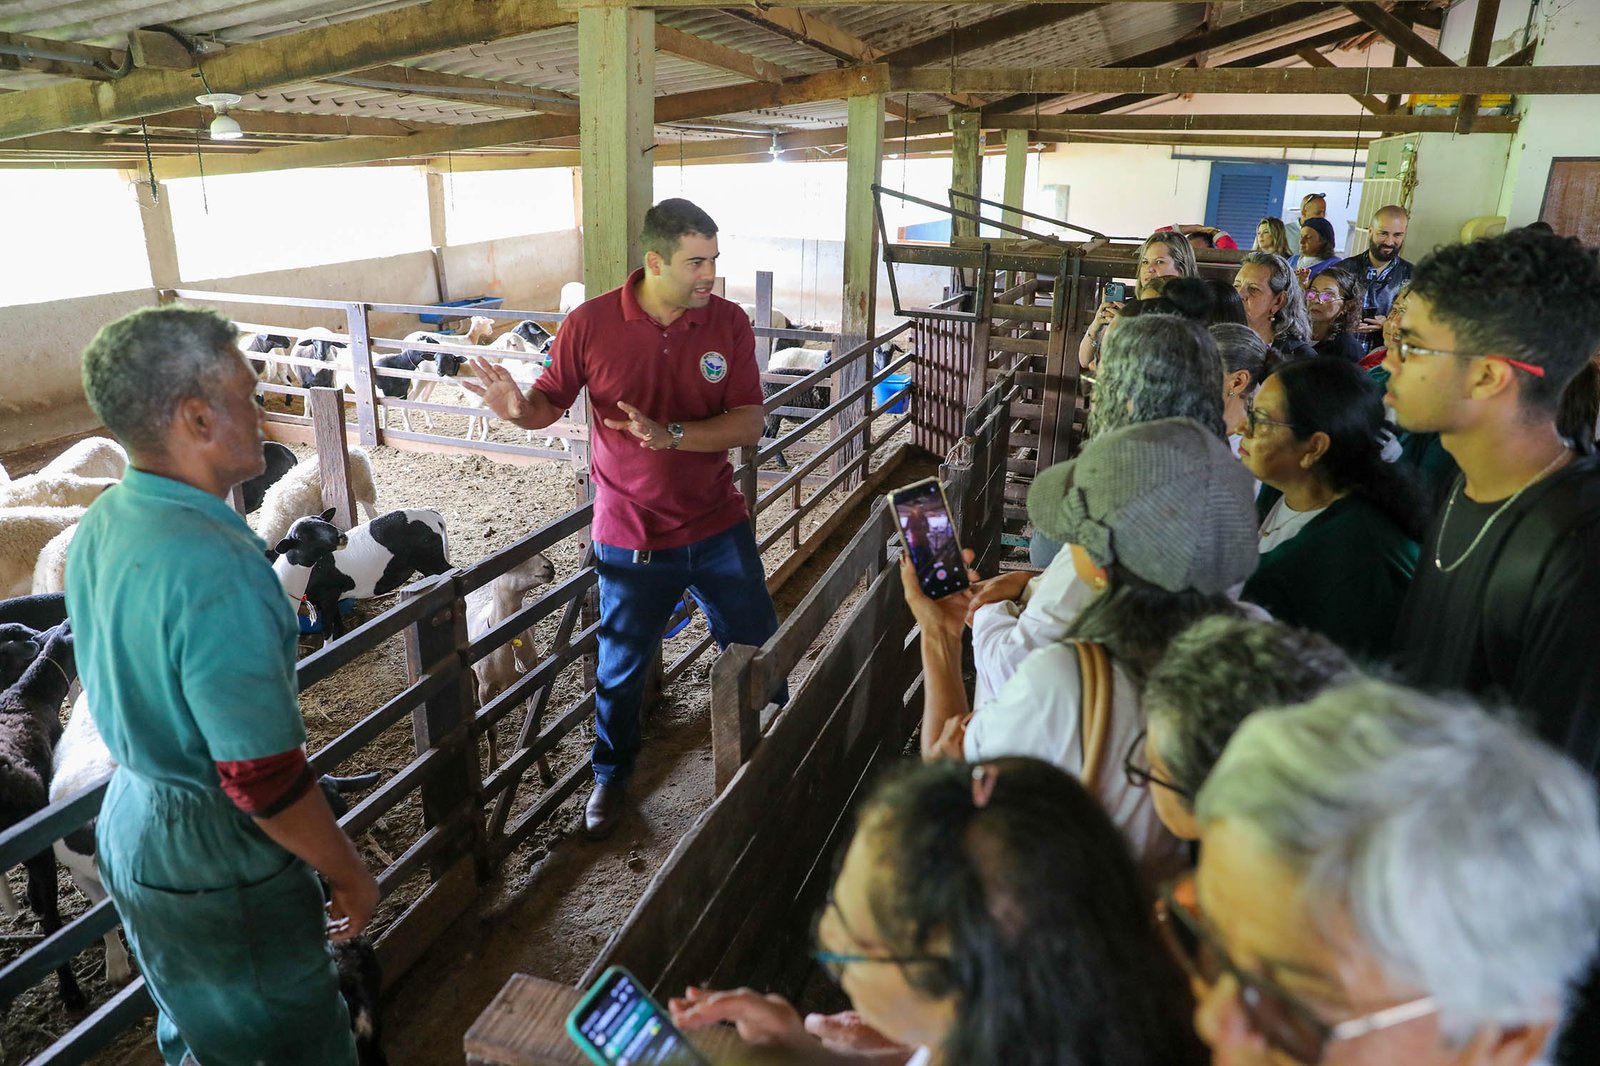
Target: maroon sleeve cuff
{"points": [[262, 788]]}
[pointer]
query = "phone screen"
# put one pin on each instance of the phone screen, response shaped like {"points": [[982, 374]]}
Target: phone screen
{"points": [[930, 537], [618, 1024]]}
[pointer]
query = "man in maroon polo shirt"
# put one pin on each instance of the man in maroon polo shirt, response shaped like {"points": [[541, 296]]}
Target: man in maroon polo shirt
{"points": [[673, 384]]}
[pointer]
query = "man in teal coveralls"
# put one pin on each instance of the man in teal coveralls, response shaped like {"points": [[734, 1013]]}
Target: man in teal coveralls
{"points": [[213, 830]]}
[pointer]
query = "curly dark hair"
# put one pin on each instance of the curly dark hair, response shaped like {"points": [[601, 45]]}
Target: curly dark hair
{"points": [[668, 222], [1136, 620], [1221, 669], [1338, 398], [1203, 300], [1529, 295], [1354, 291], [1034, 897]]}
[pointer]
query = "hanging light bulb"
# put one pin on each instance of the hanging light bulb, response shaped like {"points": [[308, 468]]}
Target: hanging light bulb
{"points": [[223, 127]]}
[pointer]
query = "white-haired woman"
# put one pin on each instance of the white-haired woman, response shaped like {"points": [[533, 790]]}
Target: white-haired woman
{"points": [[1388, 877]]}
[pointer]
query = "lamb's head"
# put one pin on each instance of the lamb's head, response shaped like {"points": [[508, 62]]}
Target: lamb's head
{"points": [[478, 328], [19, 646], [449, 365], [533, 333], [309, 540]]}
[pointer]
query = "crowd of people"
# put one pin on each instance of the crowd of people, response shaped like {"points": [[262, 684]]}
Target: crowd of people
{"points": [[1286, 753]]}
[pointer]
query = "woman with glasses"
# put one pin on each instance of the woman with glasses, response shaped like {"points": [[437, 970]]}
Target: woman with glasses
{"points": [[1333, 306], [1339, 526], [1215, 674], [1387, 878], [937, 929]]}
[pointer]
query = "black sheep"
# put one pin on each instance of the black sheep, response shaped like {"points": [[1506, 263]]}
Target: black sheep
{"points": [[280, 460]]}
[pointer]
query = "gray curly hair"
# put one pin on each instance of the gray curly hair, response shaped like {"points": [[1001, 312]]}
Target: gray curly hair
{"points": [[1157, 366]]}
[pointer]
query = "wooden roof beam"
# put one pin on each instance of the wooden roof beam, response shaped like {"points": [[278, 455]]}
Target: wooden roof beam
{"points": [[1315, 58], [292, 59], [41, 55], [1185, 123], [290, 124], [1342, 81], [1477, 55], [719, 57], [457, 88], [1400, 35], [943, 46]]}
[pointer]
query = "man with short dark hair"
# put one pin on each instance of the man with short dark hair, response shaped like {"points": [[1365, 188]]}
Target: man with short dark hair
{"points": [[212, 831], [674, 384], [1382, 271]]}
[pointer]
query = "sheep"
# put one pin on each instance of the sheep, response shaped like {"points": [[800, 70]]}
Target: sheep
{"points": [[794, 362], [24, 532], [279, 459], [524, 373], [776, 318], [35, 612], [376, 558], [317, 343], [30, 725], [94, 457], [491, 605], [50, 572], [53, 490], [572, 294], [300, 493], [268, 370]]}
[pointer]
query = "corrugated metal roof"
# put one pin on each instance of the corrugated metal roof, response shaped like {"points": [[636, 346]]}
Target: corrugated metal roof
{"points": [[718, 27], [107, 21]]}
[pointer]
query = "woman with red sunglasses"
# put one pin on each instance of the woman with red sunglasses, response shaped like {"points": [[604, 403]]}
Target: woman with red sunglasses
{"points": [[1387, 878]]}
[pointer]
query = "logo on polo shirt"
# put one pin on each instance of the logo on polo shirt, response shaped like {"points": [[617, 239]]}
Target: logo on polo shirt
{"points": [[713, 366]]}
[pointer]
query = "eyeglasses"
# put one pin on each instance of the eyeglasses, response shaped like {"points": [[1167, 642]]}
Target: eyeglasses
{"points": [[1405, 350], [1254, 421], [1280, 1019], [1141, 776], [836, 961], [1322, 296]]}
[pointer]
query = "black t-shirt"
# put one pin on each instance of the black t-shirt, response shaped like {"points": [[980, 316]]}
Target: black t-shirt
{"points": [[1452, 633], [1342, 345]]}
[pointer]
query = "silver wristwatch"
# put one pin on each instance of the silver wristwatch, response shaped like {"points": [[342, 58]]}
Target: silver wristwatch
{"points": [[676, 429]]}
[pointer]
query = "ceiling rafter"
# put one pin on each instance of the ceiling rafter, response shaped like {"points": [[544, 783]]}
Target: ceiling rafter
{"points": [[1400, 34], [942, 46]]}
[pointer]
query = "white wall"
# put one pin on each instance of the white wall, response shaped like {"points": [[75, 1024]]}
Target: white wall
{"points": [[808, 277]]}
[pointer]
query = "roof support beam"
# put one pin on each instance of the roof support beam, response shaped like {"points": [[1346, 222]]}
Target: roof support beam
{"points": [[1185, 123], [1402, 36], [437, 85], [41, 55], [290, 124], [809, 30], [1477, 56], [1342, 81], [1315, 58], [617, 77], [708, 54], [325, 52]]}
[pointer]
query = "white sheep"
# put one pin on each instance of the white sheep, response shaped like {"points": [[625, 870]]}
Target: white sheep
{"points": [[523, 372], [24, 532], [492, 604], [45, 489], [50, 572], [572, 294], [299, 493], [777, 319], [90, 457], [81, 759]]}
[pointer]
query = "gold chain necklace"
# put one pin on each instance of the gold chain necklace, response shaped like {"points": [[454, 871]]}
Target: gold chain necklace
{"points": [[1461, 480]]}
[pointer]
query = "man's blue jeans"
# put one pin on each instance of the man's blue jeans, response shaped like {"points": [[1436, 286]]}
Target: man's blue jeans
{"points": [[725, 576]]}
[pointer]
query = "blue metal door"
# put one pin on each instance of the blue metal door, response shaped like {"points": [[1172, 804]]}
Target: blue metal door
{"points": [[1242, 194]]}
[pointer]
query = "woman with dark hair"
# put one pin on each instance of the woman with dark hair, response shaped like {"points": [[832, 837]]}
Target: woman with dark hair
{"points": [[1333, 305], [1316, 250], [937, 929], [1203, 300], [1160, 526], [1340, 526]]}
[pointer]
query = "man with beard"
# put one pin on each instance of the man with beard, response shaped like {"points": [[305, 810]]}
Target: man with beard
{"points": [[1384, 272], [673, 382]]}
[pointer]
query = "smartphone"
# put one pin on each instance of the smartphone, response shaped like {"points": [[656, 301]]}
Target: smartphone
{"points": [[1118, 291], [618, 1024], [929, 534]]}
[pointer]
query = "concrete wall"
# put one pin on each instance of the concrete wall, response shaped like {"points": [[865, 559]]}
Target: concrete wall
{"points": [[40, 394], [808, 277]]}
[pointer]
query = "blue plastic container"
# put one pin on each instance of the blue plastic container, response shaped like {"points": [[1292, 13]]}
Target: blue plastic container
{"points": [[893, 385], [463, 308]]}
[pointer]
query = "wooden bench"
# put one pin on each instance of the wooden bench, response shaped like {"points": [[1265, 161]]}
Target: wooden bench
{"points": [[526, 1025]]}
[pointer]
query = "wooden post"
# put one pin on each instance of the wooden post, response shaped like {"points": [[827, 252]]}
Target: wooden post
{"points": [[160, 245], [436, 209], [443, 721], [763, 317], [735, 725], [333, 455], [863, 170], [361, 385], [616, 65], [966, 166], [1016, 174]]}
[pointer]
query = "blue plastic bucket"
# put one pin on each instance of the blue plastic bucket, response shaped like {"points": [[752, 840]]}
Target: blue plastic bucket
{"points": [[893, 385]]}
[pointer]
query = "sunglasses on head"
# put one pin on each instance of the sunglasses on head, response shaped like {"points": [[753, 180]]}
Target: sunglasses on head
{"points": [[1274, 1014]]}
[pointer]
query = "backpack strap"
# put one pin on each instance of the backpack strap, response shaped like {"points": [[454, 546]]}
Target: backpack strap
{"points": [[1094, 709], [1551, 517]]}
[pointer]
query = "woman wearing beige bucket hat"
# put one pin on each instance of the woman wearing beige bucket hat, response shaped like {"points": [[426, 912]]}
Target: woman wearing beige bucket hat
{"points": [[1160, 520]]}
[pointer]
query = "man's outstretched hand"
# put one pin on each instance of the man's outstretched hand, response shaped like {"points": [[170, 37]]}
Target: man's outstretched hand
{"points": [[500, 391]]}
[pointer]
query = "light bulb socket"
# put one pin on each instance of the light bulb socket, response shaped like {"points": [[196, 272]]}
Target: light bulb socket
{"points": [[224, 128]]}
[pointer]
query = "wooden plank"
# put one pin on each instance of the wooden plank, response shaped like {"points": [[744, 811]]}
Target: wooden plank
{"points": [[1477, 55], [1016, 173], [290, 59], [809, 30], [966, 167], [616, 76], [718, 57], [943, 47], [525, 1025], [1400, 35], [870, 486], [455, 88], [190, 119], [1290, 123], [333, 454], [1527, 81], [422, 923], [735, 725], [764, 317], [863, 170], [1314, 58]]}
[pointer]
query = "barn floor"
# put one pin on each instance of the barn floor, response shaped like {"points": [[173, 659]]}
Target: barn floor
{"points": [[556, 900]]}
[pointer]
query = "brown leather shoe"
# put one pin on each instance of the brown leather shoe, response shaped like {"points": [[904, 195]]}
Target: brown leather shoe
{"points": [[604, 810]]}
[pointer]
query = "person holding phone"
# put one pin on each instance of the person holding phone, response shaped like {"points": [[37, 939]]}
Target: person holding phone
{"points": [[672, 377], [1159, 519], [212, 832]]}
